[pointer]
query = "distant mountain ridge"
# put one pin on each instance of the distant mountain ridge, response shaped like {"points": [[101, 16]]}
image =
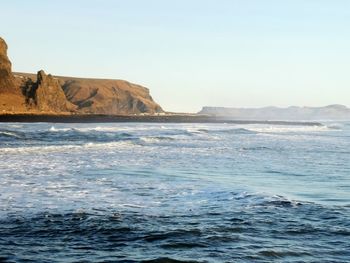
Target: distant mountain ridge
{"points": [[43, 93], [330, 112]]}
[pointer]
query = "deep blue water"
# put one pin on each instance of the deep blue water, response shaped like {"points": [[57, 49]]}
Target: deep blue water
{"points": [[165, 192]]}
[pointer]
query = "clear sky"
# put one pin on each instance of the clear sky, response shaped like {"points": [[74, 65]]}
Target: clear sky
{"points": [[191, 53]]}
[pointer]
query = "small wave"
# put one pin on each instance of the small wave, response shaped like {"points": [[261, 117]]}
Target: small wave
{"points": [[16, 126], [115, 129], [281, 254], [241, 131], [132, 206], [31, 149], [256, 129], [179, 233], [284, 173], [335, 126], [294, 129], [85, 130], [257, 200], [194, 131], [10, 134], [88, 129], [203, 130], [109, 144], [257, 148], [53, 129], [59, 148], [155, 139], [262, 129], [63, 135], [169, 260], [184, 245], [228, 131]]}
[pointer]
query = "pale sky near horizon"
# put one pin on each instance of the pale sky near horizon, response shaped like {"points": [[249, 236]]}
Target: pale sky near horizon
{"points": [[191, 53]]}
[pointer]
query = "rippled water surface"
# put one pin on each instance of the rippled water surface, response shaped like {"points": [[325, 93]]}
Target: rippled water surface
{"points": [[146, 192]]}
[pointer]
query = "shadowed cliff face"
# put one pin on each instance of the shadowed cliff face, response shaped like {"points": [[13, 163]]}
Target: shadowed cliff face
{"points": [[11, 98], [7, 81], [48, 94]]}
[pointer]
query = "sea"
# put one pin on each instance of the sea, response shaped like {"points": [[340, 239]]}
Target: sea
{"points": [[174, 192]]}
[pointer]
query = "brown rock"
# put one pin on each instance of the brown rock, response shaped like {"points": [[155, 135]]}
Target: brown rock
{"points": [[46, 94], [101, 96], [7, 80], [21, 93], [11, 98]]}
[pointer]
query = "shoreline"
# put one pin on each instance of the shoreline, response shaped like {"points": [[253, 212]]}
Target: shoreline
{"points": [[88, 118]]}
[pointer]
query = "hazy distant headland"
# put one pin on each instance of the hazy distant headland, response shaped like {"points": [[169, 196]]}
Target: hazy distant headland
{"points": [[293, 113]]}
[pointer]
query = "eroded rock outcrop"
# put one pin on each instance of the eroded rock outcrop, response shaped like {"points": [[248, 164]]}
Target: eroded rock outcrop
{"points": [[46, 94]]}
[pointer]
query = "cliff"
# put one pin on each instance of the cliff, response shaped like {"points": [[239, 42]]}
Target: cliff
{"points": [[7, 81], [99, 96], [42, 93], [104, 96], [11, 98], [45, 94]]}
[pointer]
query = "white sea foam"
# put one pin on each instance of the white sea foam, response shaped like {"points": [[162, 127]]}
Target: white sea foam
{"points": [[286, 129], [101, 129], [149, 139], [253, 128], [16, 126], [8, 133], [53, 129], [60, 148], [117, 144], [162, 166]]}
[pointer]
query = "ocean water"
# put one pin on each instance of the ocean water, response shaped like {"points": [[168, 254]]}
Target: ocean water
{"points": [[143, 192]]}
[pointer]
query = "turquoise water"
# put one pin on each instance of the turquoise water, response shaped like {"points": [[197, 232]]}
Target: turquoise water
{"points": [[122, 192]]}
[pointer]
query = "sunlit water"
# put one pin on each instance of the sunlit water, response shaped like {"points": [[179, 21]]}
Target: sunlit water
{"points": [[189, 192]]}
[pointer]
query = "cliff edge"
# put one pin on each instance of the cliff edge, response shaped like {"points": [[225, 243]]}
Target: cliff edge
{"points": [[7, 81], [11, 98]]}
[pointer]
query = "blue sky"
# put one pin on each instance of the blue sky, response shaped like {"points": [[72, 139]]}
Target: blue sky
{"points": [[191, 53]]}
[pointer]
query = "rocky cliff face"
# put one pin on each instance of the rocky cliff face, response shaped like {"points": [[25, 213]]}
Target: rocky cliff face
{"points": [[88, 96], [109, 96], [7, 81], [48, 94], [11, 98]]}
